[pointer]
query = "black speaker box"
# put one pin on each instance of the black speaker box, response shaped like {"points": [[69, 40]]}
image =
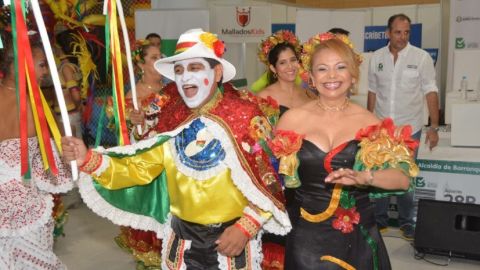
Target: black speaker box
{"points": [[448, 228]]}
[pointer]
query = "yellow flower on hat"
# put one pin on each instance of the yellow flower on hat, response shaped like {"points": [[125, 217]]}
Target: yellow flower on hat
{"points": [[208, 39], [211, 41]]}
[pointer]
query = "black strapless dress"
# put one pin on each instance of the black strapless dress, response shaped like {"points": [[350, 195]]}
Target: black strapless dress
{"points": [[312, 245], [283, 109]]}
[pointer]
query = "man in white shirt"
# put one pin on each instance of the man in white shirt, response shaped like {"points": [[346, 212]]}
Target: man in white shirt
{"points": [[400, 77]]}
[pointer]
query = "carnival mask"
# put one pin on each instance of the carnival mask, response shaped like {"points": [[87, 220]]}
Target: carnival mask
{"points": [[194, 78]]}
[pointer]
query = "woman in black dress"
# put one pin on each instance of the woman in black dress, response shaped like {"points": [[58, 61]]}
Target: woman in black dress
{"points": [[346, 155]]}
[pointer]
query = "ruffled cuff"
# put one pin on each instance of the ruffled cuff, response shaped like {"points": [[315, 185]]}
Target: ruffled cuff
{"points": [[285, 146], [252, 221], [385, 146], [92, 162]]}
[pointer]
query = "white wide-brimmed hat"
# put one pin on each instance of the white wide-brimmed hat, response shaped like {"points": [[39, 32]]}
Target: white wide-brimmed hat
{"points": [[196, 43]]}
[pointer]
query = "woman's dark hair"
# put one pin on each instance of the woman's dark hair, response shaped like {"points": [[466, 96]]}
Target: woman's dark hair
{"points": [[66, 41], [7, 54], [273, 57]]}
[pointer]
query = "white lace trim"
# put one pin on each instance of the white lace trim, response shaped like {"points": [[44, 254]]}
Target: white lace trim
{"points": [[119, 217], [103, 165], [249, 211], [279, 223], [41, 221], [48, 187], [191, 172], [143, 144], [168, 233]]}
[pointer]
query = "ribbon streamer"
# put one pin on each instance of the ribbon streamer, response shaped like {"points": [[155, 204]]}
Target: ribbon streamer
{"points": [[110, 9], [20, 83], [26, 74], [56, 80], [129, 59]]}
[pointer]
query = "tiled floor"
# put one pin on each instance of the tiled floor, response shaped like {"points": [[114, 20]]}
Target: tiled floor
{"points": [[89, 245]]}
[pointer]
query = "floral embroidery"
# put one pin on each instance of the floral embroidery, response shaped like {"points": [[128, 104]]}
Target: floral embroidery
{"points": [[346, 214], [259, 128], [345, 220], [286, 142], [285, 146], [386, 144]]}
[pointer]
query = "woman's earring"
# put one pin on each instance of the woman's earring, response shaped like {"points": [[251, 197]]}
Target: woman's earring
{"points": [[275, 75]]}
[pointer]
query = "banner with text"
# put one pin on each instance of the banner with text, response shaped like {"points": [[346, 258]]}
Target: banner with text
{"points": [[238, 24], [453, 181], [375, 37]]}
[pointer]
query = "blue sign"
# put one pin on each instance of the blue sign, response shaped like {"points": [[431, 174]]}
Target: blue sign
{"points": [[376, 38], [433, 53], [283, 26]]}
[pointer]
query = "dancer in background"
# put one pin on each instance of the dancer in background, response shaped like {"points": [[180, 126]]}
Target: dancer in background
{"points": [[279, 52], [346, 155], [156, 40], [144, 245], [70, 78], [26, 222]]}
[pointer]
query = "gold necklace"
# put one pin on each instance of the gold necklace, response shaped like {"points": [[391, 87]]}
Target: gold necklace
{"points": [[334, 108], [149, 87]]}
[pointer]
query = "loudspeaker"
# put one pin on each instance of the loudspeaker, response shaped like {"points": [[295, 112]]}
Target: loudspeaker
{"points": [[448, 228]]}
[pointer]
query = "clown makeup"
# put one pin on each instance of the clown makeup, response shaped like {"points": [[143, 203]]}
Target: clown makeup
{"points": [[194, 78]]}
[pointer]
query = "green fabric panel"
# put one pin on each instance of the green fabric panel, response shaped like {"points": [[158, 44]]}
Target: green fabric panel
{"points": [[148, 200], [168, 46], [239, 83]]}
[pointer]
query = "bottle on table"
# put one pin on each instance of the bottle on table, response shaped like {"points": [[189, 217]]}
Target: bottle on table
{"points": [[464, 87]]}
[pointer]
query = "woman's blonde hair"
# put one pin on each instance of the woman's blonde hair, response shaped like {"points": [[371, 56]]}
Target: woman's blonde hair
{"points": [[344, 51]]}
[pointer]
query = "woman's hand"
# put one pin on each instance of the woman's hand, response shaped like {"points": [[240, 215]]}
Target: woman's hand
{"points": [[74, 149], [349, 177], [137, 117]]}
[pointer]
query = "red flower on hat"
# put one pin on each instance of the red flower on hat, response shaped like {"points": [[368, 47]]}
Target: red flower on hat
{"points": [[211, 41], [218, 48], [346, 218]]}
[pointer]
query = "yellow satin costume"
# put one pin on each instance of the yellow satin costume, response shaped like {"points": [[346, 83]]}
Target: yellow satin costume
{"points": [[210, 201]]}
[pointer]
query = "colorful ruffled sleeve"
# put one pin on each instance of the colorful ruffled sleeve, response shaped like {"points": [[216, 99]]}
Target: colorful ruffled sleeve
{"points": [[385, 146], [285, 146], [126, 166]]}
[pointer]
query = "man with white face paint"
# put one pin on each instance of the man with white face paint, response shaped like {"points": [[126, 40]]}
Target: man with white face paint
{"points": [[194, 79], [205, 183]]}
